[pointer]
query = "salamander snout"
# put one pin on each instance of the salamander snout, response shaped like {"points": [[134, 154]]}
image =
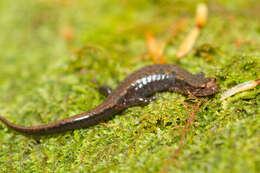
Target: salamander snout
{"points": [[207, 89]]}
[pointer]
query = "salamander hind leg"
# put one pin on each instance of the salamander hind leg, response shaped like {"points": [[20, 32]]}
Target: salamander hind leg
{"points": [[105, 90], [200, 75]]}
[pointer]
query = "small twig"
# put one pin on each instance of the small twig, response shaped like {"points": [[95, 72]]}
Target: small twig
{"points": [[190, 121]]}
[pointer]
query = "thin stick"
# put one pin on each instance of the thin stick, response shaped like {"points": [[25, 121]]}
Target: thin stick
{"points": [[190, 121]]}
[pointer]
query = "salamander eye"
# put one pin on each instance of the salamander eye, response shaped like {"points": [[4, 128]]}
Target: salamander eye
{"points": [[211, 83]]}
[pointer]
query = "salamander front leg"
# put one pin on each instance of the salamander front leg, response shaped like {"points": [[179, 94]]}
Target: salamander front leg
{"points": [[150, 99], [178, 90], [105, 90], [142, 100]]}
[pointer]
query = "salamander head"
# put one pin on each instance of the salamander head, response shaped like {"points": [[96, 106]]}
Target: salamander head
{"points": [[207, 88]]}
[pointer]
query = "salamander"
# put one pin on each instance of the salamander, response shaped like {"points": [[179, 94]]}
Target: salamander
{"points": [[137, 89]]}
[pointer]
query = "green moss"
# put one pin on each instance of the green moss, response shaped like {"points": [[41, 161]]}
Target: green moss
{"points": [[44, 78]]}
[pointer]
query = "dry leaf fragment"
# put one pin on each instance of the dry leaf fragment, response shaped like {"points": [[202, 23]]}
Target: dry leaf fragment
{"points": [[201, 18], [239, 88], [154, 48], [202, 14], [188, 42]]}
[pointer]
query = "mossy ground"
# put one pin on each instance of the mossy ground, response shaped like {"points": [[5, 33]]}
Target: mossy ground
{"points": [[44, 77]]}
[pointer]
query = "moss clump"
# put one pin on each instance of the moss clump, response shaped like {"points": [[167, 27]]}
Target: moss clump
{"points": [[45, 77]]}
